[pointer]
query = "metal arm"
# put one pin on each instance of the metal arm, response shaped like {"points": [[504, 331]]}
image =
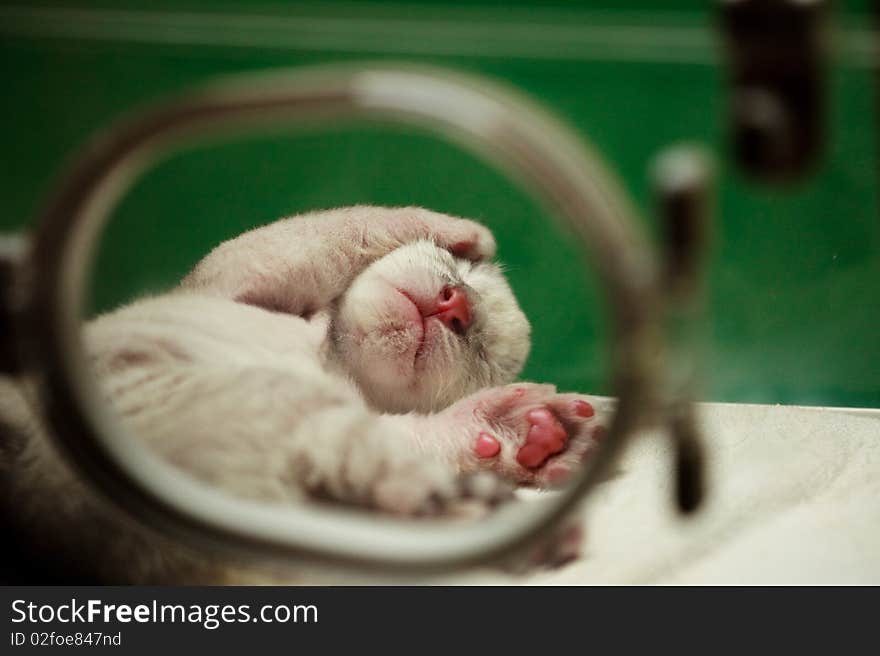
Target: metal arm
{"points": [[506, 129]]}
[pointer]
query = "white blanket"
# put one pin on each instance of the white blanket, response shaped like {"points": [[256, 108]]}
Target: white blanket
{"points": [[794, 498]]}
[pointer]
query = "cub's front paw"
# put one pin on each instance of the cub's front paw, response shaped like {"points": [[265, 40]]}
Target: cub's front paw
{"points": [[420, 489], [527, 433]]}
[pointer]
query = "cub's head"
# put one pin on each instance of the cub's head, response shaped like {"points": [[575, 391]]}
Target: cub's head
{"points": [[419, 329]]}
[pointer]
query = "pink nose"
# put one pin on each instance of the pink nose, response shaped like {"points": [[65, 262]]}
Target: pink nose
{"points": [[453, 309]]}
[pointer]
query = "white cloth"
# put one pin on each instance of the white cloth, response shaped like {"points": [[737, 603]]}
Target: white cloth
{"points": [[793, 498]]}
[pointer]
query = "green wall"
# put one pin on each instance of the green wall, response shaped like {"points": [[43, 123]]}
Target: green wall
{"points": [[794, 276]]}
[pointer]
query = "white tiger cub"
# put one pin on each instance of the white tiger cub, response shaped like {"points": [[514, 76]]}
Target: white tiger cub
{"points": [[361, 355]]}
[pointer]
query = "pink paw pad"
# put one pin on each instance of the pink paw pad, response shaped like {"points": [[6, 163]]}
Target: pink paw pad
{"points": [[546, 437], [486, 446], [583, 409]]}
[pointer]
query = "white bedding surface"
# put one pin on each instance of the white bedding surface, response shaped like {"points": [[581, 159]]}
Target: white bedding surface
{"points": [[793, 498]]}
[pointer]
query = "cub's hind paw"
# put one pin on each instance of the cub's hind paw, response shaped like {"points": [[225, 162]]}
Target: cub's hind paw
{"points": [[563, 546]]}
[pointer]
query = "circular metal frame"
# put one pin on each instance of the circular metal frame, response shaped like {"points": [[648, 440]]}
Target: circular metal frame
{"points": [[500, 125]]}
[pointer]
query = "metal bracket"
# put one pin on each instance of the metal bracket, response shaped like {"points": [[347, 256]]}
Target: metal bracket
{"points": [[684, 188], [509, 132], [13, 248], [776, 52]]}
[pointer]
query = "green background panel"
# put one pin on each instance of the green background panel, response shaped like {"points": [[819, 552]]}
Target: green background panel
{"points": [[794, 273]]}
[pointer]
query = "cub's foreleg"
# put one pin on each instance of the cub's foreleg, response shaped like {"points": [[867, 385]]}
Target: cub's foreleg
{"points": [[271, 435], [300, 264]]}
